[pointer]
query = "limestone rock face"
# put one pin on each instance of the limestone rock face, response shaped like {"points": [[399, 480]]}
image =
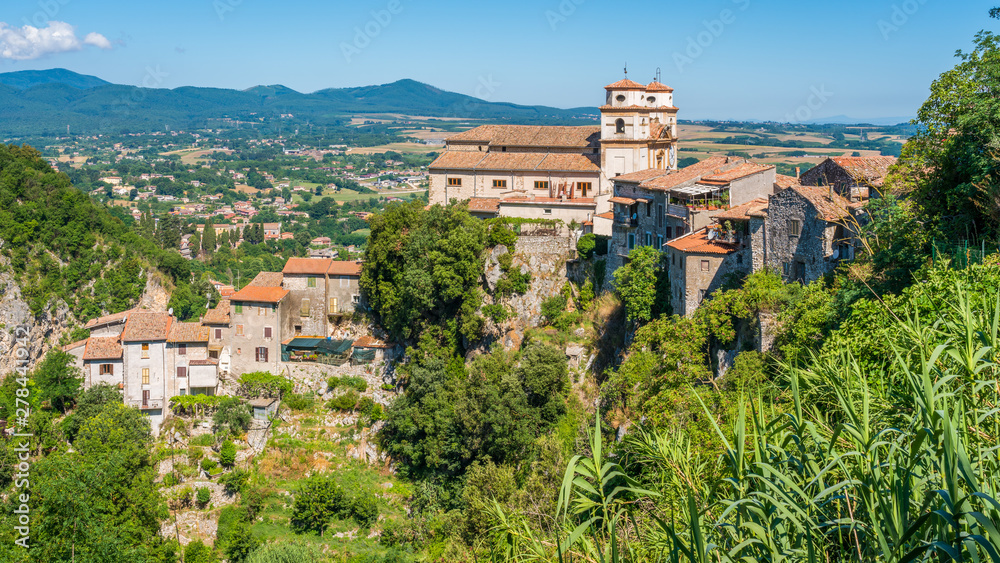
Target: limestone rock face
{"points": [[20, 330]]}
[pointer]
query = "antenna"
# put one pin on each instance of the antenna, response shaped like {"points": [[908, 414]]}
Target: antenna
{"points": [[626, 71]]}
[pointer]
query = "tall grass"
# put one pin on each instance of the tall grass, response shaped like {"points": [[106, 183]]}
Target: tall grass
{"points": [[893, 467]]}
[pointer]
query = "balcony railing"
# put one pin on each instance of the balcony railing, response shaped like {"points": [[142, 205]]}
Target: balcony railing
{"points": [[625, 221], [677, 210], [150, 404]]}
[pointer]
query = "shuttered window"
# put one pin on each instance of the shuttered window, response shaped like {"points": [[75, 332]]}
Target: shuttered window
{"points": [[182, 371]]}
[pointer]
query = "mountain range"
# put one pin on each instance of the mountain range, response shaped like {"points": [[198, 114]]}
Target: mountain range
{"points": [[42, 103]]}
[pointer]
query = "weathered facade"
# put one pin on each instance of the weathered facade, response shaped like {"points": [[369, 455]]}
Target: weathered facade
{"points": [[853, 178], [257, 315], [700, 263]]}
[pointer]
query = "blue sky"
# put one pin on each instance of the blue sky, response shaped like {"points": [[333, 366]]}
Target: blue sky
{"points": [[727, 59]]}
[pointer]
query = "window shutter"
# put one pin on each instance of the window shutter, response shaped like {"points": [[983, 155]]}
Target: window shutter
{"points": [[304, 312], [181, 372], [264, 353], [182, 349], [267, 332], [145, 398], [218, 334]]}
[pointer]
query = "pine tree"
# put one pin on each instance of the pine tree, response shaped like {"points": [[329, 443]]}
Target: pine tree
{"points": [[208, 240]]}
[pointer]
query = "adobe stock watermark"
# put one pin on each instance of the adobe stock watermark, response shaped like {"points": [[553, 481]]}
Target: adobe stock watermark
{"points": [[22, 411], [223, 7], [364, 35], [563, 11], [901, 14], [485, 91], [697, 44], [818, 98], [47, 11]]}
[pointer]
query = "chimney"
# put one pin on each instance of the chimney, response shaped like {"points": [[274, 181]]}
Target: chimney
{"points": [[831, 192], [798, 172]]}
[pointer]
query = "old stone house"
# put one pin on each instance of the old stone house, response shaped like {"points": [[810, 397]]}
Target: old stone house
{"points": [[809, 232], [259, 318], [854, 178], [194, 372]]}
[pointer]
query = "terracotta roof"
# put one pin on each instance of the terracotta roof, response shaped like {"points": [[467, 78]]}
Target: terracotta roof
{"points": [[146, 326], [103, 349], [307, 266], [754, 208], [345, 268], [521, 161], [610, 215], [642, 176], [74, 346], [219, 315], [866, 169], [267, 279], [742, 171], [622, 200], [208, 362], [830, 209], [227, 291], [259, 294], [484, 204], [655, 86], [709, 166], [784, 182], [529, 136], [188, 332], [370, 342], [625, 84], [110, 319], [698, 243]]}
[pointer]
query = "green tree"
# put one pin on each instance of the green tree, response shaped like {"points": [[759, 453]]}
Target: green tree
{"points": [[208, 238], [227, 454], [58, 379], [319, 500], [232, 417], [636, 283]]}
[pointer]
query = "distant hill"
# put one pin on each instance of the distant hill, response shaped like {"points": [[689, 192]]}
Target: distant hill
{"points": [[24, 79], [845, 120], [42, 103]]}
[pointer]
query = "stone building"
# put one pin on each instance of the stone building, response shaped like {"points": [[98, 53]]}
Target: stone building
{"points": [[655, 206], [809, 232], [854, 178], [193, 371], [701, 262], [146, 363], [259, 317], [560, 172], [343, 290], [306, 282]]}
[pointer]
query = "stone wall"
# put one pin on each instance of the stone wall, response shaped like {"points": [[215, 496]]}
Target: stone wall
{"points": [[806, 255]]}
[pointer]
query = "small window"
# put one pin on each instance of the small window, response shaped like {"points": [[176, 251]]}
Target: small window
{"points": [[585, 188], [786, 268], [649, 209], [311, 282], [182, 349], [454, 181], [620, 125], [183, 391], [239, 330], [267, 332], [659, 215], [651, 99], [659, 241], [239, 309], [182, 371], [145, 350], [631, 241], [356, 299], [739, 259], [145, 399], [794, 228], [304, 310], [298, 330], [541, 185], [107, 369], [500, 184], [547, 211], [218, 334], [620, 97], [649, 239], [261, 354], [145, 376], [706, 265]]}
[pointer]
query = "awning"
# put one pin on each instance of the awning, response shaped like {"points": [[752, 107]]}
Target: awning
{"points": [[622, 200], [695, 190]]}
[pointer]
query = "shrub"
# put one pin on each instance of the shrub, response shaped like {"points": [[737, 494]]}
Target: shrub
{"points": [[586, 246], [203, 440], [264, 384], [496, 312], [364, 510], [227, 454], [300, 402], [235, 481], [198, 552], [203, 496], [345, 402], [553, 307], [348, 382], [586, 296], [209, 464], [502, 235], [370, 409], [233, 416]]}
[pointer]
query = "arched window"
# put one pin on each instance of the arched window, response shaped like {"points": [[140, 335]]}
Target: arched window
{"points": [[620, 126]]}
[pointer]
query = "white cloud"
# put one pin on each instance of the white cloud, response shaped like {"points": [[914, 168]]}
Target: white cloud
{"points": [[97, 40], [29, 42]]}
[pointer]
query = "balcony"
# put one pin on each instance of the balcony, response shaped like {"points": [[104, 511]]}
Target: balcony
{"points": [[623, 221], [150, 404], [680, 211]]}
